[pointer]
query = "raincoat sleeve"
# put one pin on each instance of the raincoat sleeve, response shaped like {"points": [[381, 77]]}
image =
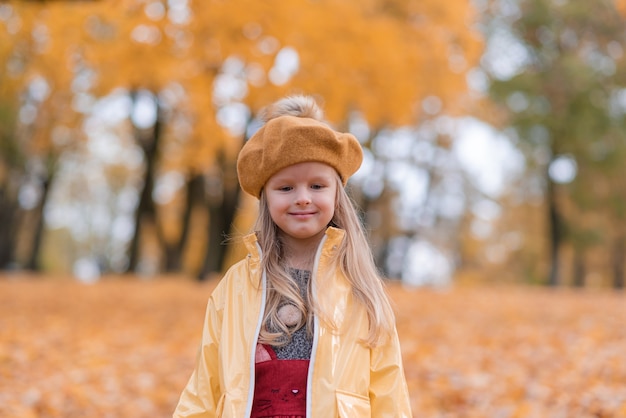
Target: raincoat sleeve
{"points": [[389, 394], [201, 396]]}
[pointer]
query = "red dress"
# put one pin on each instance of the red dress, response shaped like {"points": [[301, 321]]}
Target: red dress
{"points": [[279, 387]]}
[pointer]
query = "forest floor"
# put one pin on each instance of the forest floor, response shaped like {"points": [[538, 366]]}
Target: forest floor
{"points": [[125, 348]]}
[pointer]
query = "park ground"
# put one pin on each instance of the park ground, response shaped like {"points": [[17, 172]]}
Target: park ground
{"points": [[124, 347]]}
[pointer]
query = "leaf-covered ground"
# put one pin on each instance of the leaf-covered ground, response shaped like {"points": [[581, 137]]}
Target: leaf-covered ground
{"points": [[125, 348]]}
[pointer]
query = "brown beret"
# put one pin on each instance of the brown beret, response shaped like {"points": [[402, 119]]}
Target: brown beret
{"points": [[288, 140]]}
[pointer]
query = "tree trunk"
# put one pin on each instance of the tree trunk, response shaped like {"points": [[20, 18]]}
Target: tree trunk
{"points": [[222, 205], [579, 270], [33, 258], [195, 197], [554, 225], [172, 255], [618, 262], [148, 140], [9, 219]]}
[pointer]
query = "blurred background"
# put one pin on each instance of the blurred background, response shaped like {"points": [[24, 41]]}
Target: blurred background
{"points": [[493, 190], [494, 132]]}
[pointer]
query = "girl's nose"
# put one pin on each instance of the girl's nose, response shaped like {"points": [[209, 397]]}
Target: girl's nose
{"points": [[303, 197]]}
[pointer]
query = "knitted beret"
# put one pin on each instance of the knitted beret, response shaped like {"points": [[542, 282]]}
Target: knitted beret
{"points": [[287, 140]]}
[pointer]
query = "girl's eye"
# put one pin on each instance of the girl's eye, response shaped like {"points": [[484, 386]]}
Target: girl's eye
{"points": [[285, 188], [317, 186]]}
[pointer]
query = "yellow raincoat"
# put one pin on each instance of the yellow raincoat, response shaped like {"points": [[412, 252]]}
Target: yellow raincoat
{"points": [[346, 378]]}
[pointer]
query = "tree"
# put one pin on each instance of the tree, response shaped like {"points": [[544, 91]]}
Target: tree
{"points": [[31, 109], [565, 69], [229, 59]]}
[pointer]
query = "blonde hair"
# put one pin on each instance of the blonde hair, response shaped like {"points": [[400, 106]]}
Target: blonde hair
{"points": [[354, 258], [297, 105]]}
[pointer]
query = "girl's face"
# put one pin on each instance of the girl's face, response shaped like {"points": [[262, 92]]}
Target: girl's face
{"points": [[301, 200]]}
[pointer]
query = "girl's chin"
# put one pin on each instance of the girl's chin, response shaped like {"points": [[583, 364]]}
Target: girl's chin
{"points": [[303, 235]]}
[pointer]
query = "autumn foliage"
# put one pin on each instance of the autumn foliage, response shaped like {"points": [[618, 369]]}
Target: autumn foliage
{"points": [[201, 71], [125, 348]]}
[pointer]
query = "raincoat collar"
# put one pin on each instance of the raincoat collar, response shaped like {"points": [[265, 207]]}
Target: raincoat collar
{"points": [[332, 238]]}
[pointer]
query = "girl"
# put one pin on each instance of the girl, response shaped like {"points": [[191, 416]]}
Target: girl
{"points": [[302, 327]]}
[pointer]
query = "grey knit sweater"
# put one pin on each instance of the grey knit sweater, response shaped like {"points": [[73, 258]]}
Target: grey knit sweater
{"points": [[300, 345]]}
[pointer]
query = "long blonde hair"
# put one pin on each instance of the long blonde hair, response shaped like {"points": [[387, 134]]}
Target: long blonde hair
{"points": [[354, 258]]}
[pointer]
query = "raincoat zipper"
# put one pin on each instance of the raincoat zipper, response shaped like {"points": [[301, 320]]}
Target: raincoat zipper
{"points": [[309, 380]]}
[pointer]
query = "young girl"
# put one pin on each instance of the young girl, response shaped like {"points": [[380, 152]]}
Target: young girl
{"points": [[302, 327]]}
